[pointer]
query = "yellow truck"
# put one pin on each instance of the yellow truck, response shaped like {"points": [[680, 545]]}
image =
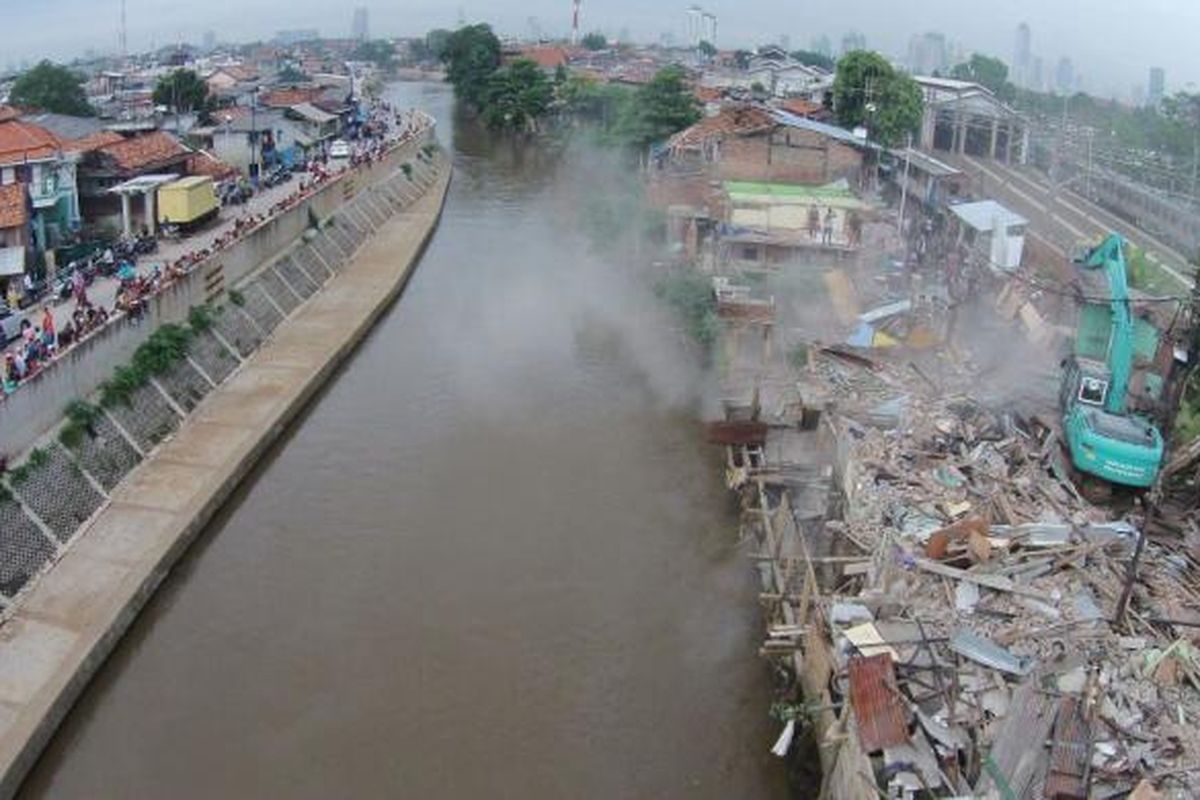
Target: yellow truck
{"points": [[187, 202]]}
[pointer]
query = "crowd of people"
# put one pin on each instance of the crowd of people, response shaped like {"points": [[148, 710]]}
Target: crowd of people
{"points": [[40, 344]]}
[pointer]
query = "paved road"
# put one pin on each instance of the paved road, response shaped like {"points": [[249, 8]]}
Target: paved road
{"points": [[1063, 218], [103, 292]]}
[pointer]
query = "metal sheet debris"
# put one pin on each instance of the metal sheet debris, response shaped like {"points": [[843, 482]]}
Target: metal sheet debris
{"points": [[879, 711]]}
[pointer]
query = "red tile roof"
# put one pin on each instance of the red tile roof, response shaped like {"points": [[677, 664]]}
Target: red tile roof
{"points": [[546, 57], [94, 141], [731, 121], [286, 98], [204, 163], [146, 152], [24, 141], [801, 107], [13, 210]]}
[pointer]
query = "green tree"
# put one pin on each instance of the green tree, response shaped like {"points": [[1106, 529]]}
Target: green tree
{"points": [[435, 43], [660, 108], [867, 91], [471, 54], [379, 52], [742, 58], [52, 88], [811, 58], [182, 90], [291, 75], [707, 48], [601, 104], [517, 96], [990, 73], [595, 41]]}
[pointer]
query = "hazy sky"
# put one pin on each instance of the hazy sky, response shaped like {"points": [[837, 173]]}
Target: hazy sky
{"points": [[1111, 43]]}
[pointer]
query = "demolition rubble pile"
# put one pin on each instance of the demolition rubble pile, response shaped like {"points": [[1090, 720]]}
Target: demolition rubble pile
{"points": [[976, 644]]}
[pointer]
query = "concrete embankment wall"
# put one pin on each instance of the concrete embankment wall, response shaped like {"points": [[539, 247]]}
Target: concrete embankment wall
{"points": [[149, 475], [38, 405]]}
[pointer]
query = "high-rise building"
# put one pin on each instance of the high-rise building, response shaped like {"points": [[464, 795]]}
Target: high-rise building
{"points": [[1064, 76], [1157, 87], [1023, 56], [927, 53], [853, 41], [822, 45], [695, 26], [210, 41], [359, 27]]}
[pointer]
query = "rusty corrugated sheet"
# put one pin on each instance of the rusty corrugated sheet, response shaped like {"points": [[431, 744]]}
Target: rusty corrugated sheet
{"points": [[881, 714], [737, 432], [751, 311], [1067, 778]]}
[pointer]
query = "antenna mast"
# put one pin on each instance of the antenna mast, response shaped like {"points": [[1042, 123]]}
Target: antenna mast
{"points": [[124, 34], [575, 23]]}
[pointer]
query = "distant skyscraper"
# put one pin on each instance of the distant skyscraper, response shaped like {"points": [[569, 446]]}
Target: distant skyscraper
{"points": [[695, 26], [359, 27], [1157, 87], [853, 41], [927, 53], [210, 40], [822, 45], [1023, 56], [1064, 76]]}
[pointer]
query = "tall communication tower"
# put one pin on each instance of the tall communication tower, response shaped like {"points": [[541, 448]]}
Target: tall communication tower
{"points": [[575, 22], [124, 33]]}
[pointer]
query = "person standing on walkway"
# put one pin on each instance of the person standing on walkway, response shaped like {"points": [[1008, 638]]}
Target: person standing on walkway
{"points": [[827, 230], [814, 222], [49, 337]]}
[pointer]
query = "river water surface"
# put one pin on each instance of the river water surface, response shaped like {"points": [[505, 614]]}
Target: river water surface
{"points": [[494, 559]]}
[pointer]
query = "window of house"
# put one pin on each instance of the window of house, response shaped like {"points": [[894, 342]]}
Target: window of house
{"points": [[749, 252]]}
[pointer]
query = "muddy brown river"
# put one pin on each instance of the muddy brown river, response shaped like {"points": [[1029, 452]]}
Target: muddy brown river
{"points": [[493, 559]]}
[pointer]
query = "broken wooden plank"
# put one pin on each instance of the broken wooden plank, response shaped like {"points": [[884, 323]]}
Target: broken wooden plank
{"points": [[997, 583]]}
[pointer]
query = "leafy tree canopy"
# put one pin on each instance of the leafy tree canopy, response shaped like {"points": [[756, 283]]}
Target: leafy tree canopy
{"points": [[290, 74], [660, 108], [182, 90], [707, 48], [52, 88], [811, 58], [517, 95], [867, 91], [990, 73], [471, 54], [595, 41], [379, 52]]}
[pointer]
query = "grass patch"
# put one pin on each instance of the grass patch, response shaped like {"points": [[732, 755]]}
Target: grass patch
{"points": [[81, 421], [690, 295]]}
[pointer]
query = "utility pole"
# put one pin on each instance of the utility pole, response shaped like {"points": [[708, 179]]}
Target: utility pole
{"points": [[904, 185]]}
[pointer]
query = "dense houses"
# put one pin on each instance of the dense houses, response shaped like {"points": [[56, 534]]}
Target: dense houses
{"points": [[273, 105]]}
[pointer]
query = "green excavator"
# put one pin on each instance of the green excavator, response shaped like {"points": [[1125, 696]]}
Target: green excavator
{"points": [[1105, 439]]}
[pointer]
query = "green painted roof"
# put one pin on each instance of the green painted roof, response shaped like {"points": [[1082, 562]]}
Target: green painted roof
{"points": [[784, 190]]}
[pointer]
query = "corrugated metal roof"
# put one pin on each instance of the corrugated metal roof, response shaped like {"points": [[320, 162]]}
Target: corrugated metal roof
{"points": [[803, 123], [881, 714], [985, 215]]}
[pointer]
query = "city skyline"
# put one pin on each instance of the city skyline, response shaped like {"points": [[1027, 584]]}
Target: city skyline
{"points": [[1072, 29]]}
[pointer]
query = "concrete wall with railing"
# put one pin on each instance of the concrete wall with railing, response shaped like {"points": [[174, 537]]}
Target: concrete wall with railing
{"points": [[37, 405]]}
